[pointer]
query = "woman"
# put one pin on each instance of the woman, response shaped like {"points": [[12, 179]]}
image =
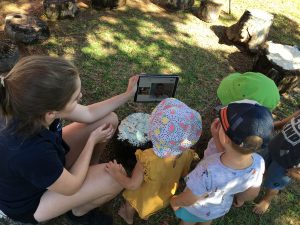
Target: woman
{"points": [[47, 170]]}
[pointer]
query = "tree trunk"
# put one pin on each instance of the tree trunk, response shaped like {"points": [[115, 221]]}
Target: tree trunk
{"points": [[25, 29], [59, 9], [209, 10], [9, 55], [252, 29], [281, 63], [102, 4]]}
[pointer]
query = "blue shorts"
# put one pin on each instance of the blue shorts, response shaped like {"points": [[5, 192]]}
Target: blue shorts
{"points": [[186, 216], [275, 175]]}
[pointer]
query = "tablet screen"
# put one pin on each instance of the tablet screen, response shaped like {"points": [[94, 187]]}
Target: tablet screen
{"points": [[154, 88]]}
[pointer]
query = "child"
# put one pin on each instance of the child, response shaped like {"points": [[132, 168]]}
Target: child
{"points": [[282, 160], [235, 173], [234, 87], [173, 129]]}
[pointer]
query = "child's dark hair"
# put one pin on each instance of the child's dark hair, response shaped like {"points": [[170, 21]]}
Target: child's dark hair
{"points": [[35, 86]]}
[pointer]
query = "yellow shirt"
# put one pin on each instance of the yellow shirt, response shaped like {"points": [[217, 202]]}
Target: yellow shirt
{"points": [[161, 178]]}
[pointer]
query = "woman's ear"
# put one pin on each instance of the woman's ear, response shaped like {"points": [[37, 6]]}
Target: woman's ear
{"points": [[50, 116]]}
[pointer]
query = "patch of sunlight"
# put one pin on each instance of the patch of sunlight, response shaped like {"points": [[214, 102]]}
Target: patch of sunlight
{"points": [[129, 46], [53, 40], [8, 7], [69, 53], [144, 6], [100, 48], [109, 19], [154, 49], [53, 53], [168, 66]]}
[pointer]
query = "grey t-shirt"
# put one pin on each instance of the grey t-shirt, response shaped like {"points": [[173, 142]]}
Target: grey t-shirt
{"points": [[221, 183]]}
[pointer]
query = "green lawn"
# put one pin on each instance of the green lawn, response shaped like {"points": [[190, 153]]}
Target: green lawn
{"points": [[109, 46]]}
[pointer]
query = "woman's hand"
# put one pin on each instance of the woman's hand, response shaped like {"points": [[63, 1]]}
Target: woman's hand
{"points": [[115, 169], [294, 173], [102, 134], [132, 85]]}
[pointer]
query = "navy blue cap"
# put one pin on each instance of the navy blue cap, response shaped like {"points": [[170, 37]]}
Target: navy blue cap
{"points": [[241, 120]]}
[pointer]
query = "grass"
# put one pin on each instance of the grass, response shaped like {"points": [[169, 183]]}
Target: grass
{"points": [[109, 46]]}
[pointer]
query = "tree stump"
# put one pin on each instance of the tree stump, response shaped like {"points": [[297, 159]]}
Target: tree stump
{"points": [[25, 29], [175, 4], [112, 4], [9, 55], [252, 29], [281, 63], [209, 10], [60, 9], [132, 135]]}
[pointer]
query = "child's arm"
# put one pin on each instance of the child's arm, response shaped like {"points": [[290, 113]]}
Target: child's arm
{"points": [[279, 124], [185, 198], [118, 172], [248, 195], [294, 173]]}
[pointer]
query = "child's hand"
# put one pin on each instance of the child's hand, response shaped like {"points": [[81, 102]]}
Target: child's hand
{"points": [[173, 205], [102, 134], [294, 173], [132, 85], [237, 202], [115, 169]]}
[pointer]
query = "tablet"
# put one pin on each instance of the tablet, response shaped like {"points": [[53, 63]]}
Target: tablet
{"points": [[155, 87]]}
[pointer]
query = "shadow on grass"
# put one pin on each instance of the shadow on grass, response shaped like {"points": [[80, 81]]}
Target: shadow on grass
{"points": [[284, 30]]}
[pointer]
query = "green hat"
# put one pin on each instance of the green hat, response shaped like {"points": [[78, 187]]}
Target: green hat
{"points": [[250, 85]]}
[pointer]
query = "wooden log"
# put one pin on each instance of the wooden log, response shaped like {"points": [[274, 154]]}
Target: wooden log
{"points": [[175, 4], [60, 9], [252, 29], [25, 29], [281, 63], [9, 55], [209, 10], [111, 4]]}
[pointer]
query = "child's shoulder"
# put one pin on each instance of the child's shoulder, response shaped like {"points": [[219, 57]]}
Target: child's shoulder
{"points": [[258, 161]]}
